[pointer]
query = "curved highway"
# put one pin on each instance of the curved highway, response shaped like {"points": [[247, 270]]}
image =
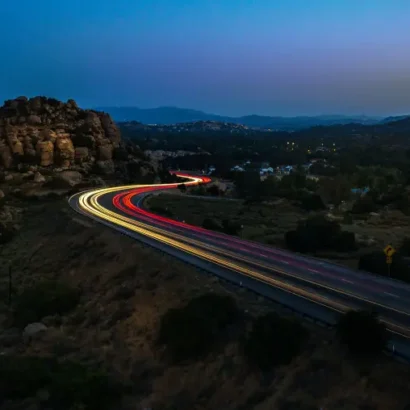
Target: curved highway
{"points": [[320, 289]]}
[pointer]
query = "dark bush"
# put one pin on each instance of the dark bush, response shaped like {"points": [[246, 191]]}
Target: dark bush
{"points": [[231, 227], [318, 233], [364, 205], [345, 242], [312, 202], [6, 234], [191, 331], [44, 299], [375, 262], [214, 190], [70, 385], [211, 225], [182, 187], [160, 210], [274, 341], [362, 333], [405, 247]]}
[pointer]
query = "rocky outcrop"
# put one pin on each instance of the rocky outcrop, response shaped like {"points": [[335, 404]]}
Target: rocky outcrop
{"points": [[49, 133]]}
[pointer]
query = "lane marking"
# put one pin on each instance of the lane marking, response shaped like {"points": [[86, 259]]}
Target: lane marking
{"points": [[392, 295], [313, 270], [347, 280]]}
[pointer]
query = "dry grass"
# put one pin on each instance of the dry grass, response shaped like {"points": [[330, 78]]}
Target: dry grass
{"points": [[127, 286], [262, 222]]}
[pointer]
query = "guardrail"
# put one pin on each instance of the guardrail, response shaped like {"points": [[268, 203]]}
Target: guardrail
{"points": [[250, 283]]}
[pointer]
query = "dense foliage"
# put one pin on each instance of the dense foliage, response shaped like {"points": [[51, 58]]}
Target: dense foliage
{"points": [[318, 233], [44, 299], [66, 385], [191, 331], [362, 333], [274, 341]]}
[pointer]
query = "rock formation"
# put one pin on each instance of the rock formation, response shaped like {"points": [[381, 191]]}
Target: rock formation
{"points": [[49, 133]]}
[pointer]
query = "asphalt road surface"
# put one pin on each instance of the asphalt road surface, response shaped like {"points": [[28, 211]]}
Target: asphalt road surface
{"points": [[320, 289]]}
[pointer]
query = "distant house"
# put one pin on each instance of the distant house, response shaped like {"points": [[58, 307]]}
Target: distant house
{"points": [[264, 171], [360, 191], [211, 169]]}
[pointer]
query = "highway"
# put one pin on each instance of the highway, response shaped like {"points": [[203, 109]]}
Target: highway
{"points": [[320, 289]]}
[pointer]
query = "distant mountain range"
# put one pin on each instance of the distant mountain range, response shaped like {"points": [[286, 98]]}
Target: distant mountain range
{"points": [[174, 115]]}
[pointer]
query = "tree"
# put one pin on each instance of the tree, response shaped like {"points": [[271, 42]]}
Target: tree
{"points": [[364, 205], [211, 225], [274, 341], [336, 190], [214, 190], [190, 331], [405, 247], [362, 333]]}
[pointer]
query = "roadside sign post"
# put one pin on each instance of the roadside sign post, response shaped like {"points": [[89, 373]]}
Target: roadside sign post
{"points": [[389, 251]]}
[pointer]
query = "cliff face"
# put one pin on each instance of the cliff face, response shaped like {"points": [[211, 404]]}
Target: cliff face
{"points": [[49, 133]]}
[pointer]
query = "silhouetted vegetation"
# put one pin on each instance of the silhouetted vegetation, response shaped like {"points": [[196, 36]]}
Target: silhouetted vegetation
{"points": [[364, 205], [226, 226], [375, 262], [68, 385], [318, 233], [362, 333], [211, 224], [405, 247], [274, 341], [192, 330], [160, 210], [6, 234], [182, 187], [44, 299]]}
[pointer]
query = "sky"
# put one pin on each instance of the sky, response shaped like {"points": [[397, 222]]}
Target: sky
{"points": [[229, 57]]}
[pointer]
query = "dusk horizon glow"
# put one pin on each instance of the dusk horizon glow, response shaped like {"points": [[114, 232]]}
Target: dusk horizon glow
{"points": [[227, 57]]}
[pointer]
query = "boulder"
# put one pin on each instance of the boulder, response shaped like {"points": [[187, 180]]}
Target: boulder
{"points": [[38, 178], [69, 178], [45, 150], [81, 154], [105, 167], [47, 132], [105, 152], [33, 329], [34, 120]]}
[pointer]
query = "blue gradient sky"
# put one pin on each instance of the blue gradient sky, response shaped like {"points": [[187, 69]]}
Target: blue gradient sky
{"points": [[232, 57]]}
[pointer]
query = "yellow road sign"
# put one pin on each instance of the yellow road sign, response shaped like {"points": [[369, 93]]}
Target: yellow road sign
{"points": [[389, 260], [389, 250]]}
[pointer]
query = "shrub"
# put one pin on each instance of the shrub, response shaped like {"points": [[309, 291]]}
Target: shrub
{"points": [[405, 247], [318, 233], [70, 384], [211, 224], [160, 210], [214, 190], [362, 333], [191, 331], [345, 242], [44, 299], [182, 187], [364, 205], [6, 234], [231, 227], [312, 202], [274, 341], [375, 262]]}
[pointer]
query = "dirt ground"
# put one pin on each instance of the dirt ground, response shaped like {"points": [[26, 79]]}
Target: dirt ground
{"points": [[126, 287]]}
